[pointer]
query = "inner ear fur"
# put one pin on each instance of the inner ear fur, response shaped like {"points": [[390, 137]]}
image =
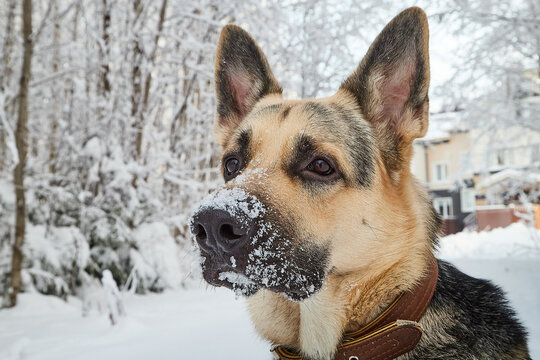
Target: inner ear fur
{"points": [[391, 85], [242, 77]]}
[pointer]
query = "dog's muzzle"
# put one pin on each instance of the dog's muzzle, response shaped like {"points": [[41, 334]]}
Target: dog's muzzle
{"points": [[245, 245]]}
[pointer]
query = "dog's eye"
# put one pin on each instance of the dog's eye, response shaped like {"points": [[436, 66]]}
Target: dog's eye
{"points": [[320, 167], [232, 165]]}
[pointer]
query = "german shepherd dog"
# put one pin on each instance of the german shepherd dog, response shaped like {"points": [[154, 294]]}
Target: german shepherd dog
{"points": [[320, 223]]}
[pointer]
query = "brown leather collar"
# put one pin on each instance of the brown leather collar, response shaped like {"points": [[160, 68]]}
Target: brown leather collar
{"points": [[393, 333]]}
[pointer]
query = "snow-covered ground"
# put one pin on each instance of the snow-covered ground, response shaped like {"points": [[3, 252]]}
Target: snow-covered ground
{"points": [[205, 323], [189, 324], [516, 242]]}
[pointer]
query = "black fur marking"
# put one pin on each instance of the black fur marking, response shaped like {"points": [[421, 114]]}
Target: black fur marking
{"points": [[347, 115], [284, 113], [303, 149], [361, 146], [320, 113], [244, 140], [469, 319], [270, 109], [389, 145]]}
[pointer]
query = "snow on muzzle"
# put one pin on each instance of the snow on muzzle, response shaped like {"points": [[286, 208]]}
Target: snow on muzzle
{"points": [[245, 245]]}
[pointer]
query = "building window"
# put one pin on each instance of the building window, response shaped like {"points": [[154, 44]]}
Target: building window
{"points": [[535, 154], [468, 200], [441, 172], [444, 206], [501, 157]]}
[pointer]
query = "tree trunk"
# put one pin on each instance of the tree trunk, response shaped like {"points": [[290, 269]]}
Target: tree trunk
{"points": [[136, 77], [57, 111], [106, 85], [104, 89], [70, 84], [3, 150], [22, 148], [140, 114]]}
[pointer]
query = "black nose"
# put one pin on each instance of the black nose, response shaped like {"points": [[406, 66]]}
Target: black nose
{"points": [[218, 231]]}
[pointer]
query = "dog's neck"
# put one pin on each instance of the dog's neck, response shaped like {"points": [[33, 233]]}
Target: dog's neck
{"points": [[346, 303]]}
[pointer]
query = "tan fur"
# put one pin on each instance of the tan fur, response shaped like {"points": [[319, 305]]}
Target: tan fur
{"points": [[275, 317]]}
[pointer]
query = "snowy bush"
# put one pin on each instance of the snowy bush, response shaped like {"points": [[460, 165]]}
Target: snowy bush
{"points": [[115, 305], [74, 235]]}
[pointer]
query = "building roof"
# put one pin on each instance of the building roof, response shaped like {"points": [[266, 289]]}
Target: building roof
{"points": [[509, 175], [442, 126]]}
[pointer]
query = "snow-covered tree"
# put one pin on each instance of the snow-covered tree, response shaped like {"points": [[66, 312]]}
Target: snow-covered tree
{"points": [[497, 62]]}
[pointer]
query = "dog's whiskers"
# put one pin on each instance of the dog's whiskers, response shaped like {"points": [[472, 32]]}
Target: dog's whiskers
{"points": [[364, 222]]}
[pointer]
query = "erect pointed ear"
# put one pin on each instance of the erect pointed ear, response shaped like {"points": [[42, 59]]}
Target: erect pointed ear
{"points": [[242, 77], [391, 85]]}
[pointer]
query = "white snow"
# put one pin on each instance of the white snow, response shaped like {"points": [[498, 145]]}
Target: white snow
{"points": [[235, 201], [184, 324], [203, 322], [252, 175], [235, 278], [93, 148], [515, 241], [7, 195]]}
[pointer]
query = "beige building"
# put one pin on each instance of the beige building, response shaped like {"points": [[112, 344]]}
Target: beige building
{"points": [[458, 165]]}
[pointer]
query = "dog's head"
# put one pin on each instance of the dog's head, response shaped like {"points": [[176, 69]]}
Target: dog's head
{"points": [[313, 187]]}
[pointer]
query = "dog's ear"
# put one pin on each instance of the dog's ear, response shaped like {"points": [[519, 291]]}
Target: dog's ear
{"points": [[242, 77], [391, 85]]}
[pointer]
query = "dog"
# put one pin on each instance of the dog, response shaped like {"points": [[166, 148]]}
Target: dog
{"points": [[320, 223]]}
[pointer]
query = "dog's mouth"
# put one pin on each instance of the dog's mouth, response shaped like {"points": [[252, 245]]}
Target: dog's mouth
{"points": [[218, 274], [296, 272]]}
